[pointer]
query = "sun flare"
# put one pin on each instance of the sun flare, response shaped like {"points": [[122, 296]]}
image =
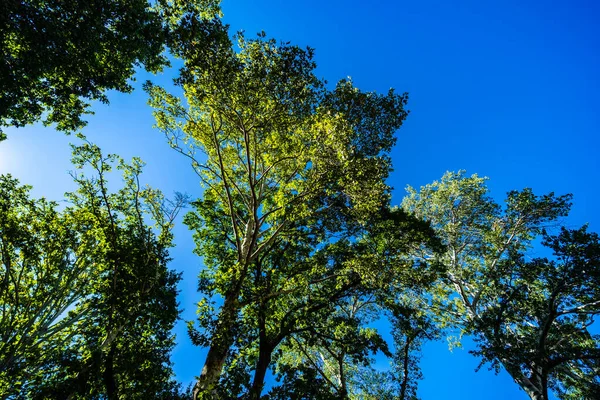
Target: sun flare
{"points": [[5, 158]]}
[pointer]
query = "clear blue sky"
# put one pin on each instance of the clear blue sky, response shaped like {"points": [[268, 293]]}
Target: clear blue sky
{"points": [[503, 89]]}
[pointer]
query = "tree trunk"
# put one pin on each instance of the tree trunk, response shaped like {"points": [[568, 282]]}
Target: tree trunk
{"points": [[535, 395], [536, 386], [109, 374], [224, 337], [540, 382], [264, 360], [265, 350], [222, 341], [404, 385]]}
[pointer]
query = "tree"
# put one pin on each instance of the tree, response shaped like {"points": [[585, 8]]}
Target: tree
{"points": [[530, 316], [337, 345], [47, 271], [288, 167], [340, 357], [88, 303], [127, 342], [309, 308], [542, 322], [57, 55]]}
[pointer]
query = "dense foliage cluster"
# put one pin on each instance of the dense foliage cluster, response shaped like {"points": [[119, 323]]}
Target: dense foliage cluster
{"points": [[310, 271], [57, 55], [88, 303], [531, 316]]}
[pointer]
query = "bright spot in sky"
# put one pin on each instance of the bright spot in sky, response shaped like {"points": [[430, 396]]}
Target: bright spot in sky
{"points": [[4, 162], [8, 158]]}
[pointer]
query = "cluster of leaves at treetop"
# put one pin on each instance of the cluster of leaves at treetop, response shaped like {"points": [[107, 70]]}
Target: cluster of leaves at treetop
{"points": [[305, 256]]}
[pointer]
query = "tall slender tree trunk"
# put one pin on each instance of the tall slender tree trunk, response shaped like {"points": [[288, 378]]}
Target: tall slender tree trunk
{"points": [[536, 386], [535, 395], [224, 336], [222, 341], [264, 360], [405, 365], [265, 351], [540, 381], [109, 374]]}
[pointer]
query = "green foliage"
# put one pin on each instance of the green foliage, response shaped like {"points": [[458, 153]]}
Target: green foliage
{"points": [[542, 321], [294, 184], [411, 328], [303, 251], [529, 316], [87, 301], [57, 55], [47, 271], [338, 344]]}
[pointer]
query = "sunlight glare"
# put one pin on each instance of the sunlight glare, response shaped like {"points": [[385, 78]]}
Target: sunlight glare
{"points": [[6, 160]]}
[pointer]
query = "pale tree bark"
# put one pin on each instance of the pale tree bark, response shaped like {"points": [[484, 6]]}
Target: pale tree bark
{"points": [[217, 354], [536, 385]]}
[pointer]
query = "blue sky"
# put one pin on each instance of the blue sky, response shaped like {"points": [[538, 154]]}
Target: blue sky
{"points": [[505, 89]]}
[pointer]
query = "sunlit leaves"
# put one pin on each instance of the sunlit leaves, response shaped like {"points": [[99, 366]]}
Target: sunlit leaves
{"points": [[289, 169], [529, 316], [87, 301], [46, 274]]}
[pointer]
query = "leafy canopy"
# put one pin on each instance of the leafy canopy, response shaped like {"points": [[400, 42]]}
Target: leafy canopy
{"points": [[88, 303], [57, 55], [293, 176], [530, 316]]}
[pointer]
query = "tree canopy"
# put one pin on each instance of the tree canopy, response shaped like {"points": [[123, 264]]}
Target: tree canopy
{"points": [[294, 190], [309, 270], [87, 301], [531, 316], [58, 55]]}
